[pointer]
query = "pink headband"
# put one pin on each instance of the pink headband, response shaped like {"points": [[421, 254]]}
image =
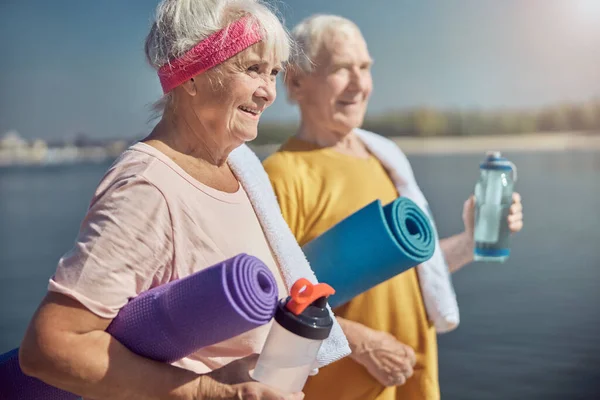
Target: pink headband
{"points": [[212, 51]]}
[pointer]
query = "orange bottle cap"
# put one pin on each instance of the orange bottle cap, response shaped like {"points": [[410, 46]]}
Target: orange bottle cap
{"points": [[304, 293]]}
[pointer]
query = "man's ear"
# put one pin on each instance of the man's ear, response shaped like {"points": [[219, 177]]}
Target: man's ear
{"points": [[294, 82], [190, 87]]}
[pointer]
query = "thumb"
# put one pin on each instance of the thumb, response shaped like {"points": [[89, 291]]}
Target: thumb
{"points": [[469, 214], [469, 204], [470, 201]]}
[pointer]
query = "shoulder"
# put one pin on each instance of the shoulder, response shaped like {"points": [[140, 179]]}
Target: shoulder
{"points": [[376, 139], [279, 164], [290, 160], [290, 165], [294, 176], [130, 182], [386, 150]]}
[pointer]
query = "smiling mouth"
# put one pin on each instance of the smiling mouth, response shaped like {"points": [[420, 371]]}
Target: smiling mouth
{"points": [[250, 111], [348, 103]]}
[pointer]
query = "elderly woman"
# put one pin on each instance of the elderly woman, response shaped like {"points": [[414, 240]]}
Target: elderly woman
{"points": [[328, 170], [177, 202]]}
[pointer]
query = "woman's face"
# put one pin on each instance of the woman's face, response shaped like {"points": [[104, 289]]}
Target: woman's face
{"points": [[229, 102]]}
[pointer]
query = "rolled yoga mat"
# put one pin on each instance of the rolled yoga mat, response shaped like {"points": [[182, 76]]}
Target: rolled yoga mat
{"points": [[371, 246], [174, 320]]}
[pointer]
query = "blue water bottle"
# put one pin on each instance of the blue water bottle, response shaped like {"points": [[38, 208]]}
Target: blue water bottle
{"points": [[493, 198]]}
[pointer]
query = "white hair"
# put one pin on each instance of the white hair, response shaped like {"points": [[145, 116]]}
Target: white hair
{"points": [[181, 24], [310, 34]]}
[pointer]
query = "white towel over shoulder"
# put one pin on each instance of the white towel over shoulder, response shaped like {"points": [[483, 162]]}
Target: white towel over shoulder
{"points": [[294, 265], [434, 276]]}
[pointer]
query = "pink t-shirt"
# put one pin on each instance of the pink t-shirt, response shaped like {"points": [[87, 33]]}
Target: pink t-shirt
{"points": [[149, 223]]}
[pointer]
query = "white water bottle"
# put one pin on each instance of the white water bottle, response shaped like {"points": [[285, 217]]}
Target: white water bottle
{"points": [[302, 322]]}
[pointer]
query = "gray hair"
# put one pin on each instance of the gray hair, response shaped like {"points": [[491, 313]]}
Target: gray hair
{"points": [[310, 34], [181, 24]]}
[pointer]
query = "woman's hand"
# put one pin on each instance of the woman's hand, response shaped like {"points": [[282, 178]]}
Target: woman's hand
{"points": [[233, 382]]}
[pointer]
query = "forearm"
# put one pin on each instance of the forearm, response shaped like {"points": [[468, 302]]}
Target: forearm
{"points": [[67, 347], [457, 250], [354, 333], [384, 357], [95, 365]]}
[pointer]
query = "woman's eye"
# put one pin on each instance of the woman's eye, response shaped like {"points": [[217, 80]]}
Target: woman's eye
{"points": [[254, 68], [275, 72]]}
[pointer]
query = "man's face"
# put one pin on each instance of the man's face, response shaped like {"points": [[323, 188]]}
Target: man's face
{"points": [[336, 93]]}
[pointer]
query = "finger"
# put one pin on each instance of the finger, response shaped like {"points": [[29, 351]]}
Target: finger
{"points": [[384, 379], [515, 208], [469, 202], [390, 380], [516, 197], [407, 370], [515, 226], [400, 380], [515, 217], [410, 354], [385, 362]]}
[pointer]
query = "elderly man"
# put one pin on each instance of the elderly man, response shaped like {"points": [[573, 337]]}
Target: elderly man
{"points": [[324, 173]]}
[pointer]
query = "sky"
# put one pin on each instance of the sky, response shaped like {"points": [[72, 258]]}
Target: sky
{"points": [[71, 66]]}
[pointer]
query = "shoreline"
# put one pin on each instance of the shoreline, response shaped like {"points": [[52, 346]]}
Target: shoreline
{"points": [[448, 145], [555, 141]]}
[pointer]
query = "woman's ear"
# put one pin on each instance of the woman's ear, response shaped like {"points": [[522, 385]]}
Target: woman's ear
{"points": [[190, 87]]}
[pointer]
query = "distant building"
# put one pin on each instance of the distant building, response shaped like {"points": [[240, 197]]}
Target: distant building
{"points": [[15, 150], [11, 140]]}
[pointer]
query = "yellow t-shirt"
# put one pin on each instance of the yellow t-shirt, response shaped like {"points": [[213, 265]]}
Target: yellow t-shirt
{"points": [[316, 188]]}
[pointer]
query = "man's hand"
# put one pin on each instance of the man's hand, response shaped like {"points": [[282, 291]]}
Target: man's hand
{"points": [[386, 359], [515, 215]]}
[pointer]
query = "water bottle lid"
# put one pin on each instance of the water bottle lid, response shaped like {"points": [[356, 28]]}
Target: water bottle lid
{"points": [[305, 312], [493, 154], [494, 160]]}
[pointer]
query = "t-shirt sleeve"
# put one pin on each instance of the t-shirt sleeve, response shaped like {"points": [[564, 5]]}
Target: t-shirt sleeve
{"points": [[123, 248]]}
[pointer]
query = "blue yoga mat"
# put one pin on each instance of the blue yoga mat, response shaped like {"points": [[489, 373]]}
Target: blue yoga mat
{"points": [[371, 246], [174, 320]]}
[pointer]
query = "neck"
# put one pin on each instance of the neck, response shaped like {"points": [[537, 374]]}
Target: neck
{"points": [[346, 142], [190, 138]]}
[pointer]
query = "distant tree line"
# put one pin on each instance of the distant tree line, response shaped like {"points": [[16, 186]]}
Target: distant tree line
{"points": [[430, 122]]}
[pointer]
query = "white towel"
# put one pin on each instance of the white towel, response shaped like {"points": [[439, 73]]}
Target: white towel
{"points": [[434, 277], [294, 265]]}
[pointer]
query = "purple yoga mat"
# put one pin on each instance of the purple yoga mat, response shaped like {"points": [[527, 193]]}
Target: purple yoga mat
{"points": [[174, 320]]}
